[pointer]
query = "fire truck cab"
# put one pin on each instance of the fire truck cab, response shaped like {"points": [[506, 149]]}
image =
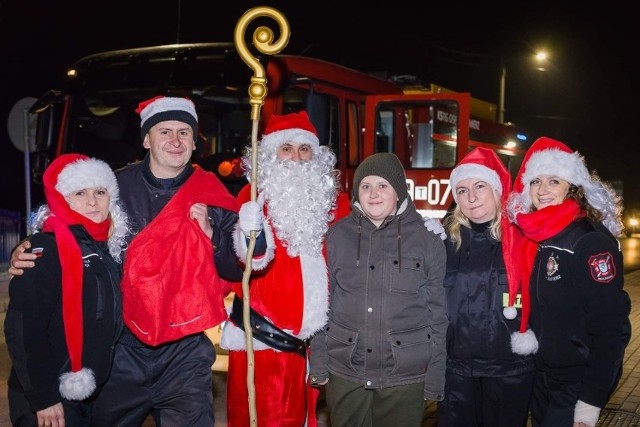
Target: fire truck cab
{"points": [[355, 113]]}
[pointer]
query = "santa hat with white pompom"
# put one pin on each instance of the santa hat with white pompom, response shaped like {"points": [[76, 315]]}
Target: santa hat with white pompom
{"points": [[547, 156], [484, 164], [67, 174]]}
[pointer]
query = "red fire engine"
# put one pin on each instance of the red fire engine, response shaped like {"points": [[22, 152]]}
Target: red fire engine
{"points": [[357, 114]]}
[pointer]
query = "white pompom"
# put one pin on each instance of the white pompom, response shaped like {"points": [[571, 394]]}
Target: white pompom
{"points": [[77, 385], [510, 312], [524, 343]]}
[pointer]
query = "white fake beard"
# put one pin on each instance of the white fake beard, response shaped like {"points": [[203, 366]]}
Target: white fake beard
{"points": [[300, 196]]}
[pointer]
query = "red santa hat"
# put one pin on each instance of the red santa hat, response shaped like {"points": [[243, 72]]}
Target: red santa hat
{"points": [[547, 156], [293, 127], [164, 108], [66, 174], [484, 164], [88, 173]]}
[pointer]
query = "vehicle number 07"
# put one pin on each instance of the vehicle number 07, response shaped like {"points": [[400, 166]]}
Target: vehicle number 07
{"points": [[435, 193]]}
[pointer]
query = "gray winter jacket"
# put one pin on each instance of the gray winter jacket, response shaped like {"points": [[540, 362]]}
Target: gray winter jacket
{"points": [[387, 316]]}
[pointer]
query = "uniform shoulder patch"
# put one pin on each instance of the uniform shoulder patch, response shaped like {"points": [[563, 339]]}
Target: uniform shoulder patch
{"points": [[602, 268]]}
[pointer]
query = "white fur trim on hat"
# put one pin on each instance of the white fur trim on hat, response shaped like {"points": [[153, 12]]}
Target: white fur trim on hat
{"points": [[91, 173], [567, 166], [474, 170], [164, 104], [77, 385], [300, 136], [162, 109], [551, 161]]}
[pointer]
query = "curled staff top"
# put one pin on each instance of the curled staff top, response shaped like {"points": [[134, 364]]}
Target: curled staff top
{"points": [[262, 36], [263, 41]]}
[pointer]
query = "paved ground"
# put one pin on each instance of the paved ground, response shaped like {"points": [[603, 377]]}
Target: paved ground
{"points": [[623, 408]]}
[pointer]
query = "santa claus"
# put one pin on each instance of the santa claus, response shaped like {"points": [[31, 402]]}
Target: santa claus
{"points": [[298, 198]]}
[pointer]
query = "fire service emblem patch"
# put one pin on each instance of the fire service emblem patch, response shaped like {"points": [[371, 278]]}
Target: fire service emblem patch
{"points": [[602, 268]]}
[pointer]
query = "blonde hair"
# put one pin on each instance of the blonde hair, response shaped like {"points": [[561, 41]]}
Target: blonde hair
{"points": [[457, 219], [118, 230]]}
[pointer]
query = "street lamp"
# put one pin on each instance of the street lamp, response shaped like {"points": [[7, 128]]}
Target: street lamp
{"points": [[541, 60]]}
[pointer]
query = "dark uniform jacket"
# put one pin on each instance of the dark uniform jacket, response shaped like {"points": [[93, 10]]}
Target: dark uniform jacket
{"points": [[34, 328], [579, 310], [479, 336]]}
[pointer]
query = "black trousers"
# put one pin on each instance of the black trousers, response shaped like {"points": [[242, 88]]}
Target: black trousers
{"points": [[485, 401], [553, 402], [172, 382]]}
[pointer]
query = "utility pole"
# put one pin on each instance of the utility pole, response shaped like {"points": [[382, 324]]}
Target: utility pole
{"points": [[503, 83]]}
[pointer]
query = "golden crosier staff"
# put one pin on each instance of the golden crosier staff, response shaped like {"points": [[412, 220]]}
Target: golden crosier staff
{"points": [[263, 42]]}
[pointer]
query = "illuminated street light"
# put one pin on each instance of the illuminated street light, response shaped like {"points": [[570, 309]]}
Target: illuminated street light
{"points": [[541, 59]]}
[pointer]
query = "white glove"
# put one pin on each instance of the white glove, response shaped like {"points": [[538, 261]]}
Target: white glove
{"points": [[250, 218], [434, 225]]}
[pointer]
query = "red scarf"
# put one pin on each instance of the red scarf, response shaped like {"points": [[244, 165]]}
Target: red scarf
{"points": [[548, 222], [538, 226]]}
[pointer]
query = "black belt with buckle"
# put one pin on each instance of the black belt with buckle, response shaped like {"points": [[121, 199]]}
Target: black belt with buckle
{"points": [[266, 332]]}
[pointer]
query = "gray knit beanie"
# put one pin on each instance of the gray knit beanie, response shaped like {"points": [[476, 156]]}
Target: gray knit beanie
{"points": [[384, 165]]}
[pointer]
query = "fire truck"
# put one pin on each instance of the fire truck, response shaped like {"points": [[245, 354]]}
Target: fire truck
{"points": [[356, 114]]}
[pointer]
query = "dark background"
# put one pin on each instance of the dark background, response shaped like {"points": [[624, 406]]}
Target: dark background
{"points": [[586, 98]]}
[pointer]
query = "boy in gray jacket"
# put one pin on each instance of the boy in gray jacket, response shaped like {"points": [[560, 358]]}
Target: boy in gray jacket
{"points": [[382, 352]]}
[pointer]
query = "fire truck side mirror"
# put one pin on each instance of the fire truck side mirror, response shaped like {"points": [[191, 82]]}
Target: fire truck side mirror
{"points": [[40, 162], [45, 108]]}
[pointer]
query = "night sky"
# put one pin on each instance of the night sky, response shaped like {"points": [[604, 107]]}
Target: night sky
{"points": [[585, 98]]}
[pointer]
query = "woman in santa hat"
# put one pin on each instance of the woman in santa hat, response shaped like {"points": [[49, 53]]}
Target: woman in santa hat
{"points": [[488, 382], [579, 311], [64, 314]]}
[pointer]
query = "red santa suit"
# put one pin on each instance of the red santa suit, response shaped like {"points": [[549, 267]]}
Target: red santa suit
{"points": [[288, 292]]}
